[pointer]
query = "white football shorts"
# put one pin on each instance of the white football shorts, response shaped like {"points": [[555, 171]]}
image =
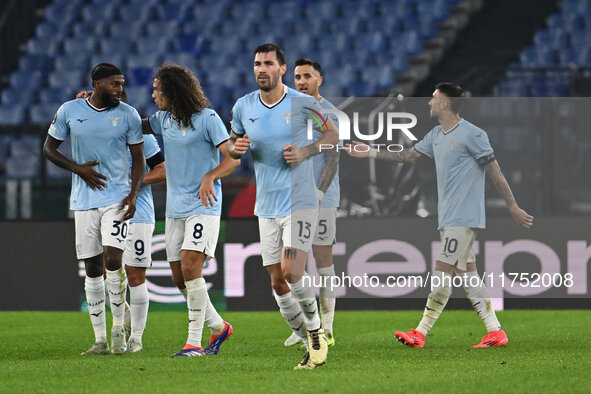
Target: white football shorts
{"points": [[456, 246], [99, 227], [138, 245], [291, 231], [196, 232], [326, 230]]}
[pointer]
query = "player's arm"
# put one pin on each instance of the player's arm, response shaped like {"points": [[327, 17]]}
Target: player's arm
{"points": [[404, 156], [494, 172], [146, 128], [237, 145], [84, 94], [157, 169], [330, 170], [138, 169], [91, 177], [330, 137], [225, 168]]}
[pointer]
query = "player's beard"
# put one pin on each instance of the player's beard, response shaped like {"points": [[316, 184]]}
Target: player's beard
{"points": [[271, 84], [106, 98]]}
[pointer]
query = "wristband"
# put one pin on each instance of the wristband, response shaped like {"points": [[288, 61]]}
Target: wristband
{"points": [[319, 194]]}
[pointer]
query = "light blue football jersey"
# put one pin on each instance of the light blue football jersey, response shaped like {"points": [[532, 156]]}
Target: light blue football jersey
{"points": [[460, 178], [99, 135], [190, 153], [144, 207], [332, 197], [281, 188]]}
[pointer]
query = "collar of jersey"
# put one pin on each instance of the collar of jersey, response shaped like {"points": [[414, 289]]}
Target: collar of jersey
{"points": [[95, 108], [274, 104], [453, 128]]}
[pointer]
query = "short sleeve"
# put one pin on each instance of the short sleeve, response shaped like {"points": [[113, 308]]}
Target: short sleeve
{"points": [[59, 128], [156, 121], [334, 119], [216, 131], [425, 146], [309, 108], [478, 144], [236, 119], [134, 132], [150, 146]]}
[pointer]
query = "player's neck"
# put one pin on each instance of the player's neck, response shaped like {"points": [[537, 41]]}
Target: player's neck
{"points": [[273, 96], [96, 102], [449, 122]]}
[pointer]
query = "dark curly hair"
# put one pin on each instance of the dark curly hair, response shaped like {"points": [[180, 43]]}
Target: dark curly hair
{"points": [[182, 91]]}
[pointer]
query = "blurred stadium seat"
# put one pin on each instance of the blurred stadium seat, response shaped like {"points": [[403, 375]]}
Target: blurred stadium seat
{"points": [[215, 35]]}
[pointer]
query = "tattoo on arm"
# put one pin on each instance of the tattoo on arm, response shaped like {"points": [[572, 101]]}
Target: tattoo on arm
{"points": [[289, 253], [494, 172], [330, 170], [405, 156], [311, 149]]}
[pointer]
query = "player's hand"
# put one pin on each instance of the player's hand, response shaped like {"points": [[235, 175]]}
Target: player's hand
{"points": [[206, 193], [90, 176], [128, 202], [84, 94], [294, 155], [521, 217], [242, 144], [350, 149]]}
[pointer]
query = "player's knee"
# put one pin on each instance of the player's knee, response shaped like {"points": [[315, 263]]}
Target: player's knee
{"points": [[178, 280], [287, 274], [112, 260], [280, 286], [135, 276]]}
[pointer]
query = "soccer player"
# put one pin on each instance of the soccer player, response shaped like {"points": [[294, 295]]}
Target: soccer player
{"points": [[308, 78], [103, 200], [193, 134], [286, 201], [462, 154], [137, 255]]}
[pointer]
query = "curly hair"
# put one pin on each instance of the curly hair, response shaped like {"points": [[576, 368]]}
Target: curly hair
{"points": [[182, 91]]}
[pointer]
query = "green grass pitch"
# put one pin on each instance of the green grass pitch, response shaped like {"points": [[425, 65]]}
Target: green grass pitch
{"points": [[548, 351]]}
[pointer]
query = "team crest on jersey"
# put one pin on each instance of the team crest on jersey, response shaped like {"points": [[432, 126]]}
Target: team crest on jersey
{"points": [[114, 120], [287, 117]]}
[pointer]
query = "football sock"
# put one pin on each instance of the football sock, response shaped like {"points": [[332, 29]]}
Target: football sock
{"points": [[140, 301], [196, 303], [440, 292], [327, 297], [107, 300], [114, 285], [292, 313], [212, 318], [95, 297], [305, 297], [184, 292], [479, 298]]}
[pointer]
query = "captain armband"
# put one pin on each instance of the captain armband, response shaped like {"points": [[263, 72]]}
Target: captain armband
{"points": [[484, 160]]}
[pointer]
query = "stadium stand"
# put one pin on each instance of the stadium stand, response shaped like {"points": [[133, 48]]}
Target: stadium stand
{"points": [[549, 65], [207, 38]]}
